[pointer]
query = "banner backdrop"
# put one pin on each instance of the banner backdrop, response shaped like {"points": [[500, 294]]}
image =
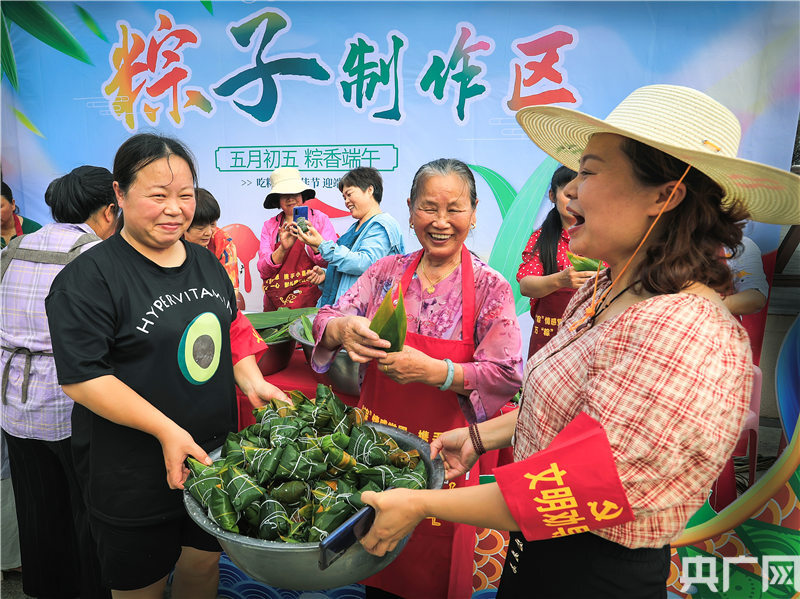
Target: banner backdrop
{"points": [[328, 86]]}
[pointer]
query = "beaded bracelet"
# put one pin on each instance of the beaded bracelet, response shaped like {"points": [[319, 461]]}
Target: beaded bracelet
{"points": [[476, 439]]}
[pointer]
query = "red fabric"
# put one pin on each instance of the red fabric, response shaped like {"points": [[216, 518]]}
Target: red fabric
{"points": [[245, 340], [446, 549], [289, 287], [546, 316], [755, 323], [17, 225], [570, 487], [297, 375]]}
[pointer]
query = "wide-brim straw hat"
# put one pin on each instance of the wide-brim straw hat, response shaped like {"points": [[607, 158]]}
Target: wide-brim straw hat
{"points": [[286, 179], [683, 123]]}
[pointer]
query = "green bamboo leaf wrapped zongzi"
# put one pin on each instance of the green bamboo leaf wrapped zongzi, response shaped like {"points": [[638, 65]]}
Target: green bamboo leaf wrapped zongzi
{"points": [[390, 321]]}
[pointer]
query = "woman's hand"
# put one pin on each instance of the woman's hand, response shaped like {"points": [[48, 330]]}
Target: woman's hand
{"points": [[312, 237], [574, 279], [409, 365], [362, 343], [397, 513], [285, 237], [317, 276], [457, 452], [262, 391], [177, 444]]}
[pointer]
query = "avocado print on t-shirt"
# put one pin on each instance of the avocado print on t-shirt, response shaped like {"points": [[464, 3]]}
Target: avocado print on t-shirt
{"points": [[199, 349]]}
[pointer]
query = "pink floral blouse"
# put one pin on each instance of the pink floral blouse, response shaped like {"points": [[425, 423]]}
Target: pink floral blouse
{"points": [[495, 374]]}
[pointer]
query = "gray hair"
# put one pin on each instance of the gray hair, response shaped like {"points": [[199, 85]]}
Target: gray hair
{"points": [[442, 167]]}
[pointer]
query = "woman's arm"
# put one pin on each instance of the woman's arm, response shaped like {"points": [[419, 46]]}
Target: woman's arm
{"points": [[252, 383], [398, 511], [323, 225], [266, 266], [110, 398], [372, 246], [540, 286], [748, 301], [495, 374]]}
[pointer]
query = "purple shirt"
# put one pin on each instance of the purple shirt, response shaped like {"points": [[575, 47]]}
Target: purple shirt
{"points": [[269, 241], [495, 374], [23, 323]]}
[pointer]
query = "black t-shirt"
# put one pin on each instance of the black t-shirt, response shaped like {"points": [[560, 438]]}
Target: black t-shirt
{"points": [[164, 332]]}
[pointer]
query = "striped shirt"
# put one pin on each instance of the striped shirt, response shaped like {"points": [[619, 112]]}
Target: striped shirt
{"points": [[23, 323], [670, 381]]}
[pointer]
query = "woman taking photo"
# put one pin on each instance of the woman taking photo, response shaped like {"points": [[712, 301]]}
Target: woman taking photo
{"points": [[546, 275], [375, 234], [460, 363], [650, 356], [291, 271], [147, 340]]}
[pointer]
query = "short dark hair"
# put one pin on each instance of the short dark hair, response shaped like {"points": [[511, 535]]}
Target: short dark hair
{"points": [[206, 208], [6, 191], [145, 148], [77, 195], [442, 167], [686, 248], [362, 177]]}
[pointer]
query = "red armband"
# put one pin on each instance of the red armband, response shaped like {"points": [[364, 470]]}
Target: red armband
{"points": [[570, 487], [245, 340]]}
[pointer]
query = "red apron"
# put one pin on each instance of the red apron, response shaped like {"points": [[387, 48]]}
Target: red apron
{"points": [[289, 287], [547, 316], [437, 561]]}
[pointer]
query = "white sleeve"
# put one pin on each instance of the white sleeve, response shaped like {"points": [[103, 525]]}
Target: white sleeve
{"points": [[747, 268]]}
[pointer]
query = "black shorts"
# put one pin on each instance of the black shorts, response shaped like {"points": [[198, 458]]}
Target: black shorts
{"points": [[133, 557], [583, 566]]}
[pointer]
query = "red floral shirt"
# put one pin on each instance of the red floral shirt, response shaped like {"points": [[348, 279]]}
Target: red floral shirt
{"points": [[532, 264]]}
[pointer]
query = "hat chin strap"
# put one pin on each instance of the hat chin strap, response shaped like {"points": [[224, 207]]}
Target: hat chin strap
{"points": [[596, 301]]}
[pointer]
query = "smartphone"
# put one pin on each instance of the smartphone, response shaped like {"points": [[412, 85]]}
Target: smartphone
{"points": [[299, 211], [335, 544]]}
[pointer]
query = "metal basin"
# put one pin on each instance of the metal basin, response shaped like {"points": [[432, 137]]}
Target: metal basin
{"points": [[343, 374], [295, 565], [277, 356]]}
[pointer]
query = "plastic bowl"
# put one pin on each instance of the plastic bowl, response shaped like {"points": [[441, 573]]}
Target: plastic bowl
{"points": [[295, 565], [277, 356], [343, 374]]}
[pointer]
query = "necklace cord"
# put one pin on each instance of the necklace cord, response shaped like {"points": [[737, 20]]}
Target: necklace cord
{"points": [[591, 311], [433, 284]]}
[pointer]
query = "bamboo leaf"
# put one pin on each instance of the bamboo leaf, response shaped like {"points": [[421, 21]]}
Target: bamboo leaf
{"points": [[383, 314], [28, 124], [207, 4], [42, 24], [89, 21], [9, 63]]}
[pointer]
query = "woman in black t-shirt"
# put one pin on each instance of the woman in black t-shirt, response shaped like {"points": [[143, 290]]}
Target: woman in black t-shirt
{"points": [[141, 327]]}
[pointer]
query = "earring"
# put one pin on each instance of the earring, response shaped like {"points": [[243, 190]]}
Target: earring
{"points": [[472, 226], [411, 225]]}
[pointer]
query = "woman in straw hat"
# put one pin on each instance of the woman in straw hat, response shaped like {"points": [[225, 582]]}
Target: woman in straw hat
{"points": [[291, 271], [632, 410]]}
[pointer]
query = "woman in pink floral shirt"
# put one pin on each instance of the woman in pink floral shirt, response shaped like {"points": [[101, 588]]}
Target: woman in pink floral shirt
{"points": [[460, 364]]}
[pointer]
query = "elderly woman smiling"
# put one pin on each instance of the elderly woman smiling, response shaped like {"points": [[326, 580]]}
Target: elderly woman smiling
{"points": [[460, 364]]}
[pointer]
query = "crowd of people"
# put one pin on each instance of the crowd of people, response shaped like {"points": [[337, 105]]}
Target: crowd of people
{"points": [[643, 355]]}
